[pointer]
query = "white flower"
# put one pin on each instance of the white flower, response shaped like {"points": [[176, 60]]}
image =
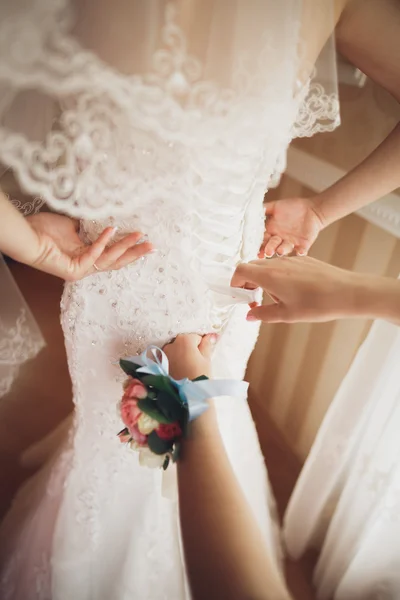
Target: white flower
{"points": [[148, 459], [146, 424]]}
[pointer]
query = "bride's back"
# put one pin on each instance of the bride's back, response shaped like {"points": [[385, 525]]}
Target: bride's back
{"points": [[102, 108]]}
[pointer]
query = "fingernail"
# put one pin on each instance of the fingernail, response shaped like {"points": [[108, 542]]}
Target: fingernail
{"points": [[142, 240], [214, 338], [114, 230], [153, 251], [251, 318]]}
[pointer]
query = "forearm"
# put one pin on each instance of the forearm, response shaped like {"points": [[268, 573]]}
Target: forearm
{"points": [[17, 239], [376, 298], [226, 555], [376, 176]]}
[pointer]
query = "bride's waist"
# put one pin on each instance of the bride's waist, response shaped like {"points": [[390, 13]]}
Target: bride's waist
{"points": [[154, 307], [175, 228]]}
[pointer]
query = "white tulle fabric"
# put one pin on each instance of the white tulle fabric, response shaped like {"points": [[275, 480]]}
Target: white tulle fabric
{"points": [[20, 337], [354, 517], [168, 118]]}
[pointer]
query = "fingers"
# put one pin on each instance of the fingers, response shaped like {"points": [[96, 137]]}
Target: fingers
{"points": [[115, 253], [284, 249], [272, 245], [86, 261], [272, 313], [187, 340], [133, 254], [184, 344], [76, 224], [261, 253], [268, 243], [207, 344], [119, 255], [269, 208], [249, 275]]}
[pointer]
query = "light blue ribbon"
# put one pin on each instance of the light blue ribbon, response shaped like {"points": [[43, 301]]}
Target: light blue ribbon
{"points": [[194, 394]]}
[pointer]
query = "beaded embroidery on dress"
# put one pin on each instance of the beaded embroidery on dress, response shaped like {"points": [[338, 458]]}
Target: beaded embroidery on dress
{"points": [[178, 139]]}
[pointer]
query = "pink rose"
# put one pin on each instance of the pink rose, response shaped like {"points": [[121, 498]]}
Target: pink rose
{"points": [[138, 437], [130, 413], [169, 431], [135, 389]]}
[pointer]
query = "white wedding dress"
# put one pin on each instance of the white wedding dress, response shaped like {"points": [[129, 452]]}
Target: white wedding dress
{"points": [[353, 519], [181, 149]]}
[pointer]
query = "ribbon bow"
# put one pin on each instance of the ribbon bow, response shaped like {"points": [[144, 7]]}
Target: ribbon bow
{"points": [[194, 394]]}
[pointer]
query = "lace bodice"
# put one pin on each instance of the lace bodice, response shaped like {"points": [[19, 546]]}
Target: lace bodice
{"points": [[96, 130]]}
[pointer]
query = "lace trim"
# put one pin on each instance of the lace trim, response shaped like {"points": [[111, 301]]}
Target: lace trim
{"points": [[318, 111], [29, 207], [130, 137], [7, 380], [17, 345]]}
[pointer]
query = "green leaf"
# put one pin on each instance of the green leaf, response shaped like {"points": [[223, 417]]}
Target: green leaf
{"points": [[124, 431], [176, 452], [171, 407], [129, 367], [160, 383], [157, 445], [149, 407], [201, 378], [185, 425], [166, 462]]}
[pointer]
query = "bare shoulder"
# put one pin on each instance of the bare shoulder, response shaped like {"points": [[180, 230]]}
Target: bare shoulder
{"points": [[363, 9], [368, 34], [340, 6]]}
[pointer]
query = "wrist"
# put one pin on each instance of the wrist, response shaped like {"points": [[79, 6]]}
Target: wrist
{"points": [[205, 426], [377, 298], [30, 252], [324, 209]]}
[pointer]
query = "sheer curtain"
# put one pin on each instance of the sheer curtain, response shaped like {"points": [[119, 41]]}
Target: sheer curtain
{"points": [[347, 500]]}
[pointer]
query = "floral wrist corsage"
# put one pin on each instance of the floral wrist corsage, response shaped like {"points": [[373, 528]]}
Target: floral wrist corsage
{"points": [[156, 408]]}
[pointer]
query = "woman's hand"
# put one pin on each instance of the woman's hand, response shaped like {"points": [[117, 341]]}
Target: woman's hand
{"points": [[291, 225], [190, 355], [62, 252], [303, 289]]}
